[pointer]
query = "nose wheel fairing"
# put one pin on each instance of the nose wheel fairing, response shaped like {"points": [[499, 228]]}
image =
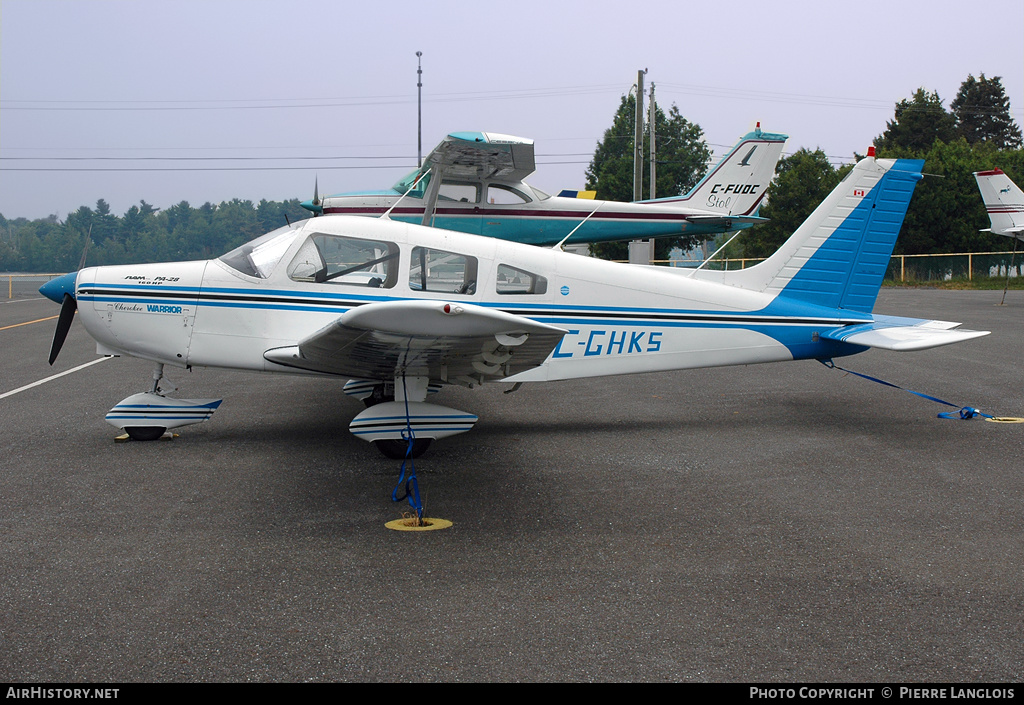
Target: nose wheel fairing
{"points": [[152, 410]]}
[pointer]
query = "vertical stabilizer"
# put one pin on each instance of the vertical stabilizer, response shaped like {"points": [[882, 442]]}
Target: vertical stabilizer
{"points": [[1004, 202], [737, 184], [839, 255]]}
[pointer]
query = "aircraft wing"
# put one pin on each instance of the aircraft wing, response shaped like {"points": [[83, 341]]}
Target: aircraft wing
{"points": [[454, 342], [902, 334], [482, 155]]}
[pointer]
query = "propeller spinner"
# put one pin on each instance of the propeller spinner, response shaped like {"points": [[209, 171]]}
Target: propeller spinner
{"points": [[315, 206]]}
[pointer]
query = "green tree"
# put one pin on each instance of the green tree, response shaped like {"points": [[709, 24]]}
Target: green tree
{"points": [[273, 214], [104, 223], [802, 181], [917, 123], [946, 213], [982, 112], [682, 159]]}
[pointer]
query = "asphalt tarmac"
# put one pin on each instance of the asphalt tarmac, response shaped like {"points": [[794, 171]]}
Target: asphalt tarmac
{"points": [[772, 523]]}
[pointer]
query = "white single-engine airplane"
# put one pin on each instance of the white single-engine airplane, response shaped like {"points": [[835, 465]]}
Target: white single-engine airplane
{"points": [[473, 183], [400, 309], [1004, 202]]}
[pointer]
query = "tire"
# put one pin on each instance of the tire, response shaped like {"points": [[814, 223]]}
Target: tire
{"points": [[395, 449], [145, 433], [378, 396]]}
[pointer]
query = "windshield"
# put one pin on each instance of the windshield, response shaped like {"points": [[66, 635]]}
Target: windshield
{"points": [[258, 257], [406, 183]]}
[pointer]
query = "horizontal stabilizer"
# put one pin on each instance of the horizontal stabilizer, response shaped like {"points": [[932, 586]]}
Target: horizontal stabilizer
{"points": [[1005, 231], [902, 334], [726, 220]]}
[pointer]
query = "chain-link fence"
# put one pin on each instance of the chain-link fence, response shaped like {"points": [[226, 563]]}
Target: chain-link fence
{"points": [[962, 266], [912, 268], [21, 286]]}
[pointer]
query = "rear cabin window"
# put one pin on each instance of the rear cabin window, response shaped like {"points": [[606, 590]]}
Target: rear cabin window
{"points": [[339, 259], [444, 272], [518, 281]]}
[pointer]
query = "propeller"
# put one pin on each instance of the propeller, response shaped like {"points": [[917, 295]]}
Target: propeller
{"points": [[62, 291]]}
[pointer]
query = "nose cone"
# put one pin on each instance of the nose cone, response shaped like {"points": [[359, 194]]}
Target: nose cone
{"points": [[313, 206], [55, 289]]}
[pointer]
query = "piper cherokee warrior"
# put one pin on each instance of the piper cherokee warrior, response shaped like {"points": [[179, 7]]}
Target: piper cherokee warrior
{"points": [[400, 310]]}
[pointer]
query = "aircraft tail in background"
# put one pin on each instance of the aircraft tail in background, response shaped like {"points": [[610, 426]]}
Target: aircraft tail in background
{"points": [[737, 184], [1004, 202]]}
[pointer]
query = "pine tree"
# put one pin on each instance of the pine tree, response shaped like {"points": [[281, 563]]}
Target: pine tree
{"points": [[982, 112], [916, 124]]}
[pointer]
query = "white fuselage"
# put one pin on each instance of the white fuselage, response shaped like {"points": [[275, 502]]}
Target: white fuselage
{"points": [[619, 318]]}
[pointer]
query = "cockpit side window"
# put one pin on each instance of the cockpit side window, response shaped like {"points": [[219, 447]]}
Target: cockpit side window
{"points": [[500, 194], [339, 259], [511, 280], [446, 272]]}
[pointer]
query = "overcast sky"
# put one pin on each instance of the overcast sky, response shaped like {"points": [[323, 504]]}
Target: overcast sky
{"points": [[207, 101]]}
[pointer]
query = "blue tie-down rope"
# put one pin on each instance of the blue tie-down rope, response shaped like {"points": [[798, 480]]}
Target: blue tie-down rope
{"points": [[412, 487], [962, 412]]}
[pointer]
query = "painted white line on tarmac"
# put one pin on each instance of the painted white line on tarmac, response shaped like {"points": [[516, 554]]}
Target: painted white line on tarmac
{"points": [[50, 379]]}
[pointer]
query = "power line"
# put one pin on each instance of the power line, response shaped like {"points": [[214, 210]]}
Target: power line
{"points": [[410, 165], [292, 103]]}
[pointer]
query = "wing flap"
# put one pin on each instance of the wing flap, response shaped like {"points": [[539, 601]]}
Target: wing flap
{"points": [[437, 339]]}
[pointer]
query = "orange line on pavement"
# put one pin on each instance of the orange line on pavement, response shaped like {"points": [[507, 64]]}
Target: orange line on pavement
{"points": [[26, 323]]}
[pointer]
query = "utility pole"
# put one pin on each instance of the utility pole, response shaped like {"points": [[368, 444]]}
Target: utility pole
{"points": [[638, 139], [651, 122], [640, 251], [419, 110]]}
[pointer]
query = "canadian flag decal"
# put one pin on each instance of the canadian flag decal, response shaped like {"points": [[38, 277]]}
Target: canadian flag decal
{"points": [[858, 193]]}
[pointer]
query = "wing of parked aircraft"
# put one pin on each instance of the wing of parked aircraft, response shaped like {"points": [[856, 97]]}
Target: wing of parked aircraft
{"points": [[482, 156], [442, 340]]}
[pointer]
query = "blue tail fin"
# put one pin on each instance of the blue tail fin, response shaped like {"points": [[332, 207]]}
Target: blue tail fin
{"points": [[839, 255]]}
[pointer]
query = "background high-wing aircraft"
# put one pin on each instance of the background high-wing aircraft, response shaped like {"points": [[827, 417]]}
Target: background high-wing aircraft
{"points": [[475, 185], [403, 309], [1004, 202]]}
